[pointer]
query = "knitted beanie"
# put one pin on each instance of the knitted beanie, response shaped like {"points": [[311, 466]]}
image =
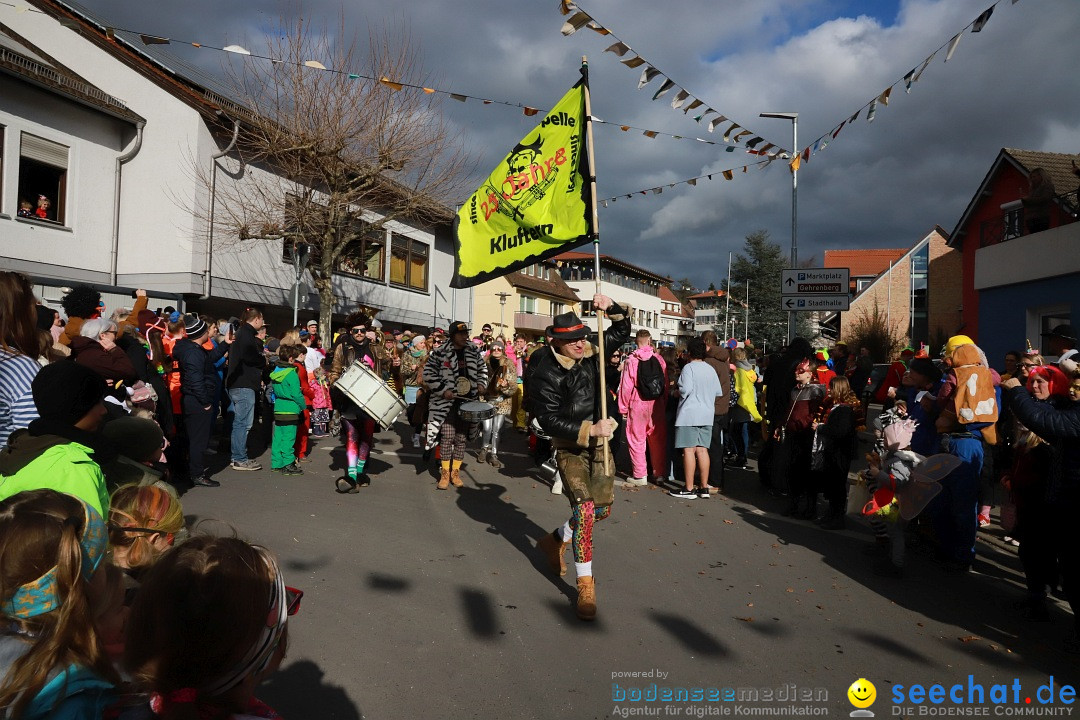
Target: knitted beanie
{"points": [[65, 391]]}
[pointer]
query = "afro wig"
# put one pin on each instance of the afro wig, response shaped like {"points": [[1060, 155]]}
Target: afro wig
{"points": [[81, 302]]}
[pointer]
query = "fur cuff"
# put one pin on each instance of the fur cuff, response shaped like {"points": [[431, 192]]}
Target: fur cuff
{"points": [[583, 434]]}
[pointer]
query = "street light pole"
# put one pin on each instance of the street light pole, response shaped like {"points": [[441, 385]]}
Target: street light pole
{"points": [[502, 311], [794, 118]]}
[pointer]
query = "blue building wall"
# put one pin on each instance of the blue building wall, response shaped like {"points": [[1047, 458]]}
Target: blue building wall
{"points": [[1003, 313]]}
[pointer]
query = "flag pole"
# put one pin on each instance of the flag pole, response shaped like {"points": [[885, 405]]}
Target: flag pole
{"points": [[600, 361]]}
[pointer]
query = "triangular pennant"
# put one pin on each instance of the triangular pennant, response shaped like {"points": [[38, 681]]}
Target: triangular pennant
{"points": [[744, 132], [620, 48], [728, 174], [529, 111], [429, 91], [816, 144], [744, 169], [753, 141], [650, 133], [727, 133], [633, 62], [575, 23], [838, 129], [599, 29], [566, 7], [765, 150], [624, 128], [692, 106], [716, 121], [647, 75], [698, 118], [692, 182], [730, 148], [872, 111], [657, 190], [111, 34], [806, 155], [235, 49], [354, 76], [603, 203], [883, 98], [926, 62], [824, 142], [459, 98], [319, 66], [153, 40], [952, 45], [854, 117], [980, 21], [667, 85], [679, 99], [794, 164], [908, 80]]}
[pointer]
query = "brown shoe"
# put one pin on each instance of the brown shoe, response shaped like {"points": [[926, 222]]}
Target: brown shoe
{"points": [[553, 549], [482, 455], [444, 479], [586, 598], [455, 477], [494, 461]]}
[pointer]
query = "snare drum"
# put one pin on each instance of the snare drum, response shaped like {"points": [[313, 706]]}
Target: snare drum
{"points": [[476, 411], [361, 385]]}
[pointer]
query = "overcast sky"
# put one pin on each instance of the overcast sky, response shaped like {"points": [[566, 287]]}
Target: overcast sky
{"points": [[880, 184]]}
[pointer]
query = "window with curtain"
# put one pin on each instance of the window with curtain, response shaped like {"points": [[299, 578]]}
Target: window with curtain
{"points": [[43, 168], [367, 257], [408, 262]]}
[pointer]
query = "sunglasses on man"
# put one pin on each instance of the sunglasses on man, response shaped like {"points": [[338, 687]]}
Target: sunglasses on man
{"points": [[357, 331]]}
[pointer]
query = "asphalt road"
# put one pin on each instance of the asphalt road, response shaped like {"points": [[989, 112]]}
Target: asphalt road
{"points": [[433, 604]]}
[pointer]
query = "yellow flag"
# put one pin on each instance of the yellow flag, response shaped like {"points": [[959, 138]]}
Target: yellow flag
{"points": [[534, 205]]}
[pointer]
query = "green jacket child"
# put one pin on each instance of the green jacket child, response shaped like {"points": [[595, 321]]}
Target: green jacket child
{"points": [[288, 412]]}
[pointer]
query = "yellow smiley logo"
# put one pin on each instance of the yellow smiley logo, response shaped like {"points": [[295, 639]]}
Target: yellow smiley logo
{"points": [[862, 693]]}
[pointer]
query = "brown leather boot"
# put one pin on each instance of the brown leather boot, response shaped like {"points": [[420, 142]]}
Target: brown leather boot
{"points": [[553, 549], [455, 477], [586, 598], [444, 479]]}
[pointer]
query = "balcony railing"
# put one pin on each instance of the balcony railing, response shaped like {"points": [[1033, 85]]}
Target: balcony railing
{"points": [[1010, 224], [531, 321]]}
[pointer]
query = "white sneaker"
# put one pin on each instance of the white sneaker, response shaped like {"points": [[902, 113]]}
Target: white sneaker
{"points": [[416, 440], [636, 481]]}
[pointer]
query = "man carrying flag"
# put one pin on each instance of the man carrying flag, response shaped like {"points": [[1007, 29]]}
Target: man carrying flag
{"points": [[563, 397]]}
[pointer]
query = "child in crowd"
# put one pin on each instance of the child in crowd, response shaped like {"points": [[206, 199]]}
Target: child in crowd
{"points": [[209, 623], [320, 414], [288, 410], [26, 210], [43, 205], [144, 522], [55, 585], [892, 471]]}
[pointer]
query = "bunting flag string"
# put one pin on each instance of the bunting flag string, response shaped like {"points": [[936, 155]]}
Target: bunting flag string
{"points": [[578, 18], [882, 99], [728, 174], [527, 110]]}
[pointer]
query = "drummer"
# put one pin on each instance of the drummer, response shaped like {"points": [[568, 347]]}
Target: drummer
{"points": [[356, 425], [454, 373]]}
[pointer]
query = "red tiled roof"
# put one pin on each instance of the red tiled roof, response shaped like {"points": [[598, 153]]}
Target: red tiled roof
{"points": [[863, 263], [667, 296], [708, 294]]}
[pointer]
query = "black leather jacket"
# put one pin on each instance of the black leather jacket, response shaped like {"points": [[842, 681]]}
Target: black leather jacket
{"points": [[564, 394]]}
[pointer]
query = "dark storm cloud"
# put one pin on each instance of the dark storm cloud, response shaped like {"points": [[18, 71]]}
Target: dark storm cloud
{"points": [[880, 184]]}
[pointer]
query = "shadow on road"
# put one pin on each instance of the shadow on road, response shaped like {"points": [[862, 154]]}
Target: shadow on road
{"points": [[695, 639], [484, 504], [298, 691]]}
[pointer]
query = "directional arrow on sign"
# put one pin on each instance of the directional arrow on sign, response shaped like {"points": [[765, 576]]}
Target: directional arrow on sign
{"points": [[790, 282]]}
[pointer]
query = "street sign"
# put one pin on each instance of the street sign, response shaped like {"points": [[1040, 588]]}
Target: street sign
{"points": [[815, 281], [815, 303]]}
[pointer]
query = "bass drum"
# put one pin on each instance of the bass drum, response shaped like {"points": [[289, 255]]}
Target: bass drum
{"points": [[368, 392]]}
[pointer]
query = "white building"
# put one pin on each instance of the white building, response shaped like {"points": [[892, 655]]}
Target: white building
{"points": [[622, 282], [121, 145], [676, 323]]}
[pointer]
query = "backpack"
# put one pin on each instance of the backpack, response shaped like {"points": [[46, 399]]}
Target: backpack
{"points": [[651, 382]]}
